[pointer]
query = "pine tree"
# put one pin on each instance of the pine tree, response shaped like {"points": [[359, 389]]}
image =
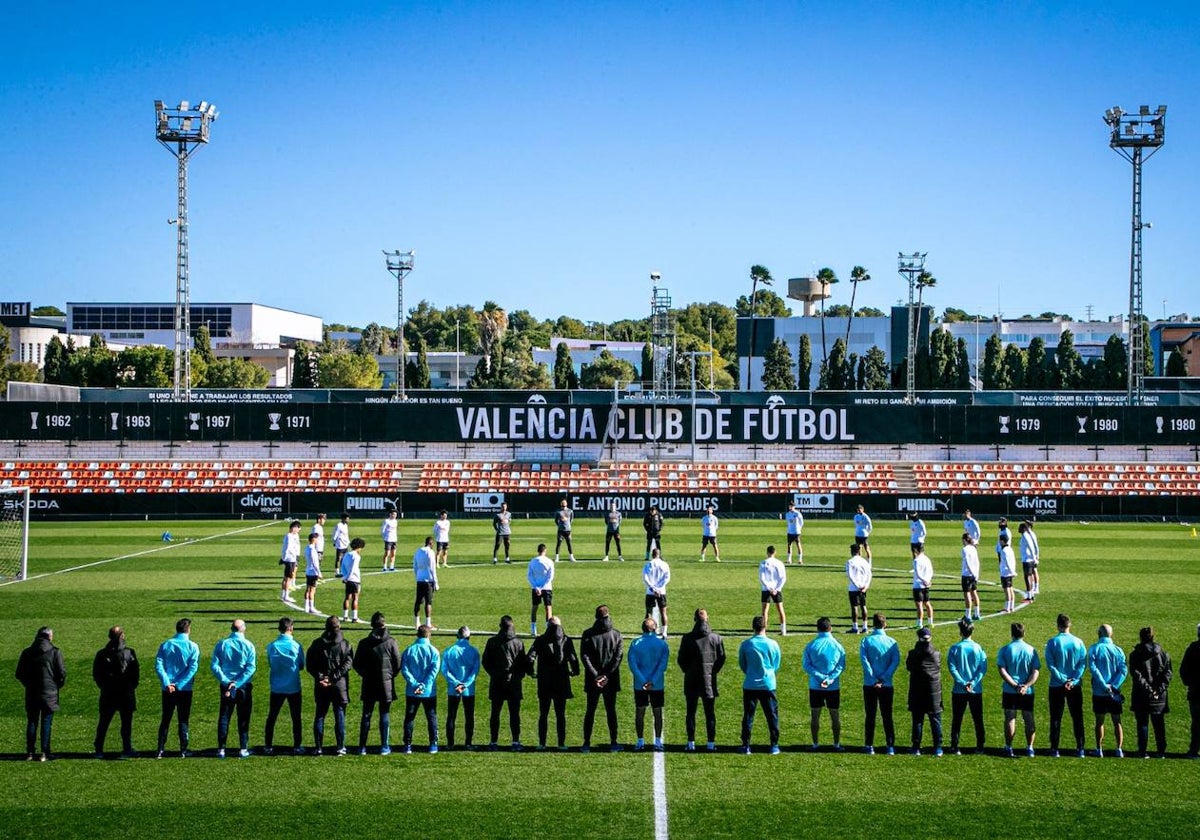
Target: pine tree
{"points": [[565, 378], [777, 367], [804, 357]]}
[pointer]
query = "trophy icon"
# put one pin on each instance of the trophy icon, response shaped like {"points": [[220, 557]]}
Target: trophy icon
{"points": [[33, 416], [1158, 422], [1082, 424], [114, 416], [1004, 424], [274, 418], [194, 421]]}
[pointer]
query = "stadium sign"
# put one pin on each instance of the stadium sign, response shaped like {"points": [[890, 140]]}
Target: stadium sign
{"points": [[261, 503], [924, 504], [482, 501], [814, 502], [34, 504], [1048, 505], [371, 503], [634, 503]]}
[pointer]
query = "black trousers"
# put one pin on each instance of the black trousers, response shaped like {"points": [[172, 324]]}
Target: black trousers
{"points": [[608, 539], [610, 713], [468, 706], [710, 717], [507, 540], [123, 706], [918, 728], [751, 698], [241, 700], [411, 706], [563, 536], [959, 703], [1073, 701], [560, 718], [880, 699], [175, 702], [325, 700], [1144, 721], [514, 718], [275, 704], [1194, 708]]}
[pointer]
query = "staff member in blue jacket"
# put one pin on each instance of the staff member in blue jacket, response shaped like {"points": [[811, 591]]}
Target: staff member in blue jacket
{"points": [[967, 663], [420, 664], [880, 655], [234, 661], [286, 658], [1019, 667], [824, 661], [176, 663], [460, 667], [759, 658], [1066, 659], [648, 656], [1107, 665]]}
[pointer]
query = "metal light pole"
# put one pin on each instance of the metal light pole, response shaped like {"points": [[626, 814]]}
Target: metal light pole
{"points": [[399, 264], [1129, 135], [911, 266], [181, 131], [457, 379]]}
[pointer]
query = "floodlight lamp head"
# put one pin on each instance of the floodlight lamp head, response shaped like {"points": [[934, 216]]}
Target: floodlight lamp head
{"points": [[655, 276]]}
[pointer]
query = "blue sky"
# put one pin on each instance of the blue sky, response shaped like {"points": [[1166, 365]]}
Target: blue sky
{"points": [[549, 156]]}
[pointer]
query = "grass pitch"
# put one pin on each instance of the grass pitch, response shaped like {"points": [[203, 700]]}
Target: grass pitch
{"points": [[1126, 575]]}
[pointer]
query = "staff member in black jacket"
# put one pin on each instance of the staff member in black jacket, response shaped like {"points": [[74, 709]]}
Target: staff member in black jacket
{"points": [[924, 664], [505, 662], [701, 657], [602, 649], [652, 523], [42, 671], [377, 661], [1189, 675], [116, 672], [328, 661], [1150, 670], [552, 654]]}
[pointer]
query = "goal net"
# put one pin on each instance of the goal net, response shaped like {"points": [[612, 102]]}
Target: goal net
{"points": [[14, 532]]}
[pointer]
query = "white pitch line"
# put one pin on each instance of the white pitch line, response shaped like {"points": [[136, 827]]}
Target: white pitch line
{"points": [[660, 796], [167, 547]]}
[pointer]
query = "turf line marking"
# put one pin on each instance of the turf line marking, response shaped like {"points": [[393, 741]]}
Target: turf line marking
{"points": [[139, 553], [660, 796]]}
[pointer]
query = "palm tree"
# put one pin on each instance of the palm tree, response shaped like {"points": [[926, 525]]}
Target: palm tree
{"points": [[858, 274], [493, 323], [826, 277], [758, 274], [925, 280]]}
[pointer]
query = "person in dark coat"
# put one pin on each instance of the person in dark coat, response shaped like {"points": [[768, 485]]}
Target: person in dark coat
{"points": [[42, 671], [116, 672], [506, 665], [924, 665], [602, 650], [701, 657], [1150, 668], [652, 524], [552, 657], [1189, 675], [377, 661], [328, 661]]}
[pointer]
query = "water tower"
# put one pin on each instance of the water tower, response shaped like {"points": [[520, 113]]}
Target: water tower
{"points": [[808, 289]]}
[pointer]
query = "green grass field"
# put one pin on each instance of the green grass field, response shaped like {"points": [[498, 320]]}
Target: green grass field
{"points": [[1127, 575]]}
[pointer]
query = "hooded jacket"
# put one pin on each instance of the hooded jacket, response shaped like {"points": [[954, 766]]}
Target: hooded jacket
{"points": [[553, 657], [505, 662], [42, 671], [377, 661], [602, 649], [1150, 670], [924, 664], [116, 672], [330, 658], [701, 657]]}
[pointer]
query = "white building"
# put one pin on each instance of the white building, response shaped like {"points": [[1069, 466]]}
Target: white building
{"points": [[585, 351], [240, 324]]}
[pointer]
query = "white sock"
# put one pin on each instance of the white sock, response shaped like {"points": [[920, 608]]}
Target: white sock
{"points": [[783, 629], [354, 615]]}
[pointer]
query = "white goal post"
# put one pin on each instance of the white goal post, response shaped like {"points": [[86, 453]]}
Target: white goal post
{"points": [[14, 532]]}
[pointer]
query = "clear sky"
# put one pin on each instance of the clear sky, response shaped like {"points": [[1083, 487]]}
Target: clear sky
{"points": [[549, 156]]}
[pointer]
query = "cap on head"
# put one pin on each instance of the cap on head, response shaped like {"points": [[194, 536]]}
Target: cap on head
{"points": [[923, 634]]}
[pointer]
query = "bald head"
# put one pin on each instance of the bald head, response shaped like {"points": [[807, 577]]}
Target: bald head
{"points": [[238, 626]]}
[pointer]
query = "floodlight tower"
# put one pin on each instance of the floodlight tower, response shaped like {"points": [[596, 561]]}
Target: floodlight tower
{"points": [[911, 266], [399, 264], [662, 338], [181, 131], [1136, 137]]}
